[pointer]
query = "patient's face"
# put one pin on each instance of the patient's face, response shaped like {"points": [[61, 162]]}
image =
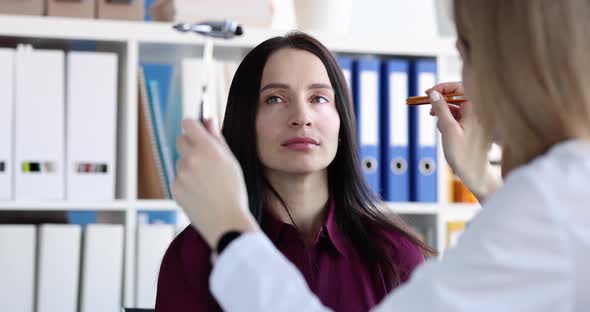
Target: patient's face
{"points": [[297, 123]]}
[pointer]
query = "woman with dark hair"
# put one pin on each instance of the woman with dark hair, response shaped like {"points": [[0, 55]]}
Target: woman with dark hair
{"points": [[289, 122]]}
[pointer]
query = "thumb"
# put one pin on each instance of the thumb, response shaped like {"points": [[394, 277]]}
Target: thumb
{"points": [[441, 109], [211, 127]]}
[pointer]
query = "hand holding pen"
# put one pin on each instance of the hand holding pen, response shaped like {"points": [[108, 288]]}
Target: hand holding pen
{"points": [[450, 98], [209, 184], [465, 144]]}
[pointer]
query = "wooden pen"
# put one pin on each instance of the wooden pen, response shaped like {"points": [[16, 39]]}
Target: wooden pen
{"points": [[454, 98]]}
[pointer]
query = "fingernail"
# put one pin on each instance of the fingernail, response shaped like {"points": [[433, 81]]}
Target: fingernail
{"points": [[434, 96]]}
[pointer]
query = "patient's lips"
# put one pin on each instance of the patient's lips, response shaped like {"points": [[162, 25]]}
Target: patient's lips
{"points": [[301, 143]]}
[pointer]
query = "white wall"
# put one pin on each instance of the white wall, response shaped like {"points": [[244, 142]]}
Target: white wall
{"points": [[393, 17], [384, 17]]}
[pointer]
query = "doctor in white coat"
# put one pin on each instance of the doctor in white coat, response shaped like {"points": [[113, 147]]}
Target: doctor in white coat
{"points": [[527, 73]]}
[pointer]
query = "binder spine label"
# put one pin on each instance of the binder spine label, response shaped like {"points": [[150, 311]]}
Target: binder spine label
{"points": [[38, 167]]}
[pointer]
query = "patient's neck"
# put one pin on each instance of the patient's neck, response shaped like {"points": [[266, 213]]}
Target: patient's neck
{"points": [[306, 197]]}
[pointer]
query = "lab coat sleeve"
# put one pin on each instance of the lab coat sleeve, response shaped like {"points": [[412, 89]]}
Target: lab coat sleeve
{"points": [[252, 275]]}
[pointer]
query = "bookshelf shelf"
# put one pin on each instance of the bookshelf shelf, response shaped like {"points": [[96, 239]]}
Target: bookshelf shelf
{"points": [[460, 211], [63, 205], [156, 205], [451, 209], [159, 32], [413, 208]]}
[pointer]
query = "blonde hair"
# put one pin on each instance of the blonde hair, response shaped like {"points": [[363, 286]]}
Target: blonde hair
{"points": [[531, 70]]}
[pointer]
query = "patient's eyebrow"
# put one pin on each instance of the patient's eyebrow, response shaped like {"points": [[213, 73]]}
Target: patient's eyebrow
{"points": [[285, 86], [274, 86], [320, 86]]}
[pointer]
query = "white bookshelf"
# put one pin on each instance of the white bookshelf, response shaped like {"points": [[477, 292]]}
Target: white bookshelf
{"points": [[134, 40], [158, 32], [117, 205], [449, 210]]}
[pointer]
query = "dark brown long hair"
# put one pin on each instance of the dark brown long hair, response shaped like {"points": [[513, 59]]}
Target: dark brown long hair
{"points": [[357, 208]]}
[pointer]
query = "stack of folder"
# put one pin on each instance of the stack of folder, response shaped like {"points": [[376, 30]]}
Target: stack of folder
{"points": [[398, 145], [61, 143], [69, 268], [55, 267]]}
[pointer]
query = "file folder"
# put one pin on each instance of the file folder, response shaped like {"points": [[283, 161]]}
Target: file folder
{"points": [[6, 123], [102, 268], [120, 9], [39, 121], [91, 126], [147, 14], [395, 131], [156, 217], [59, 268], [151, 178], [346, 66], [366, 98], [71, 8], [186, 91], [165, 155], [224, 74], [17, 267], [82, 217], [423, 135], [152, 242], [22, 7], [160, 74]]}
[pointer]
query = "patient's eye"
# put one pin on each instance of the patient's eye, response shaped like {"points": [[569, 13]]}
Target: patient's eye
{"points": [[319, 99], [274, 100]]}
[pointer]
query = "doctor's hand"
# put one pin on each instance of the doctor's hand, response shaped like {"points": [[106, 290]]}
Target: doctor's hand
{"points": [[465, 143], [209, 184]]}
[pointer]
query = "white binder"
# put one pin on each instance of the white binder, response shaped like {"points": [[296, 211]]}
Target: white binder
{"points": [[6, 123], [39, 124], [224, 75], [91, 125], [152, 242], [17, 267], [186, 91], [58, 267], [193, 77], [102, 268]]}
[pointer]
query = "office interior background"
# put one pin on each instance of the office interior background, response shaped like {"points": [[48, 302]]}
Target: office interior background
{"points": [[91, 95]]}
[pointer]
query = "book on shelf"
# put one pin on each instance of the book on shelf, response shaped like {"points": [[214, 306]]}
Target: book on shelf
{"points": [[152, 182]]}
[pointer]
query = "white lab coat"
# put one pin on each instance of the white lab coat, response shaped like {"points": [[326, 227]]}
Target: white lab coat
{"points": [[527, 250]]}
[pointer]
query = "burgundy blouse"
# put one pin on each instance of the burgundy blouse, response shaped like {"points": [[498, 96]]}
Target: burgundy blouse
{"points": [[333, 269]]}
